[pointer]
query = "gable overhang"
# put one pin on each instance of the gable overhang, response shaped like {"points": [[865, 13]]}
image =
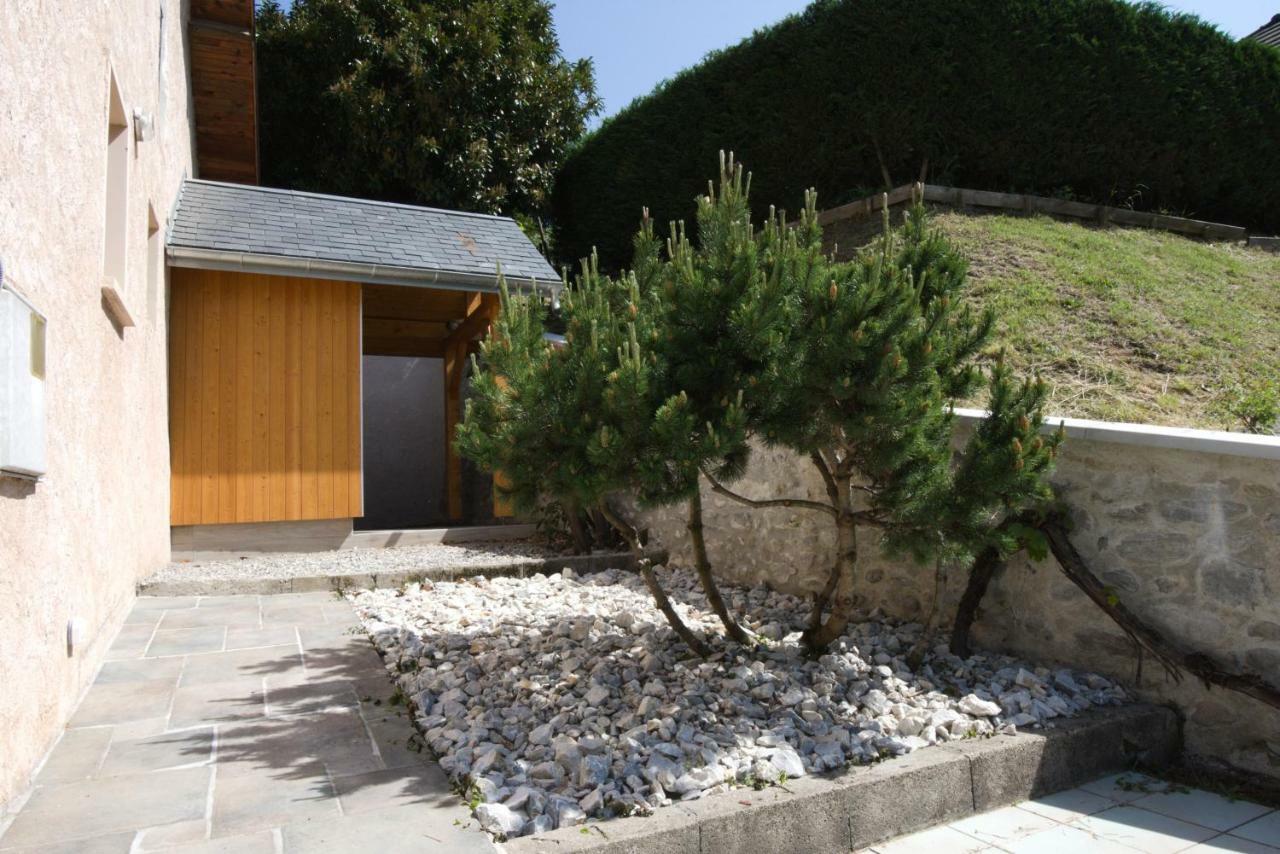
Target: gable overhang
{"points": [[350, 271]]}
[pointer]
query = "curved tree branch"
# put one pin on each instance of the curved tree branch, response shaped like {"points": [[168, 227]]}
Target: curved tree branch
{"points": [[1147, 638], [803, 503], [632, 536], [702, 564], [1170, 654], [820, 463]]}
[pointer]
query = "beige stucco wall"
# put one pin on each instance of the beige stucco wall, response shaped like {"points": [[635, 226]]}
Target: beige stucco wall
{"points": [[74, 544], [1188, 537]]}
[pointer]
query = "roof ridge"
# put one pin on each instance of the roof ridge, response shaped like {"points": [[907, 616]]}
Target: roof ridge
{"points": [[282, 191], [1273, 24]]}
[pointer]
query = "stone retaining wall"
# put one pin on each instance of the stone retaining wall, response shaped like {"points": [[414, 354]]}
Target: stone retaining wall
{"points": [[1184, 525]]}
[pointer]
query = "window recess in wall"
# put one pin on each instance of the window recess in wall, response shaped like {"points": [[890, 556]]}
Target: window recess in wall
{"points": [[116, 211]]}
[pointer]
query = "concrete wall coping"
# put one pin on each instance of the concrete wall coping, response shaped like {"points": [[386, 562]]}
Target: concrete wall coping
{"points": [[1153, 436]]}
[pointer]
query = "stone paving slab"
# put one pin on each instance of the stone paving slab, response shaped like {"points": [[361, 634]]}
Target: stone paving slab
{"points": [[236, 725]]}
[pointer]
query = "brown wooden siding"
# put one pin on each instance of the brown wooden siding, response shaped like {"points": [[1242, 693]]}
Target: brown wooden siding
{"points": [[264, 414]]}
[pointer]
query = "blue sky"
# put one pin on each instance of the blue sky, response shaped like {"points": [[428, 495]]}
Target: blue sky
{"points": [[637, 43]]}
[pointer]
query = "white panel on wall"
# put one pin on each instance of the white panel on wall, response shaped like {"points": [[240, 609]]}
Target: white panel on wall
{"points": [[22, 369]]}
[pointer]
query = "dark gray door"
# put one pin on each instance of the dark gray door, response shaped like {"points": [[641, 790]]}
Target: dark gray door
{"points": [[404, 450]]}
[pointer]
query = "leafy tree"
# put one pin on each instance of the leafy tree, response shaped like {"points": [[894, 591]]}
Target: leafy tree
{"points": [[464, 104]]}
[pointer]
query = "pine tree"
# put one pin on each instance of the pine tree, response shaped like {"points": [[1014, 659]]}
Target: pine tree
{"points": [[878, 352], [721, 305], [583, 422], [667, 369]]}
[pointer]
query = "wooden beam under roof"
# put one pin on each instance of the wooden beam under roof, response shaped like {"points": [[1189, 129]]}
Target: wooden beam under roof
{"points": [[224, 90]]}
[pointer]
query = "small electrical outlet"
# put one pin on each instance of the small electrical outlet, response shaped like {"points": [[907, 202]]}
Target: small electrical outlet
{"points": [[76, 631]]}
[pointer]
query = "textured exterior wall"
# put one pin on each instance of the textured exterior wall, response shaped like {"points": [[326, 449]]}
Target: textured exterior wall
{"points": [[1189, 539], [74, 544]]}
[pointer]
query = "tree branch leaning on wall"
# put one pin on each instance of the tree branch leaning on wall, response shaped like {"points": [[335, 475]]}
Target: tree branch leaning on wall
{"points": [[1174, 657]]}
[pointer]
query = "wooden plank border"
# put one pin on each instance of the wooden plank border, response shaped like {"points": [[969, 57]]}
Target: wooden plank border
{"points": [[961, 197]]}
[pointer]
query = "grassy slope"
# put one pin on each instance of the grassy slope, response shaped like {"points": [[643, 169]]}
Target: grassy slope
{"points": [[1127, 324]]}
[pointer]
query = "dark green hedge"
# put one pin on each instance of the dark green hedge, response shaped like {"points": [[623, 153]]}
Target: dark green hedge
{"points": [[1091, 99]]}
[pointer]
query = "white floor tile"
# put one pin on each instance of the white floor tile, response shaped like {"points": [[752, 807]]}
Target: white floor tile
{"points": [[933, 841], [1265, 830], [1205, 808], [1064, 839], [1003, 826], [1234, 844], [1144, 830], [1126, 787], [1069, 805]]}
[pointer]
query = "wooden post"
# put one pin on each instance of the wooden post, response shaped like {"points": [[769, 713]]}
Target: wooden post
{"points": [[455, 355], [481, 310]]}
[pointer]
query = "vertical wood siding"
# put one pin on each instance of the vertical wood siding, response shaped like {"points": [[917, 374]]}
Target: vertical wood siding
{"points": [[264, 398]]}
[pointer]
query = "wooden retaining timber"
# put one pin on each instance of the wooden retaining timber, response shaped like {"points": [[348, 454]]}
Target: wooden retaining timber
{"points": [[959, 197]]}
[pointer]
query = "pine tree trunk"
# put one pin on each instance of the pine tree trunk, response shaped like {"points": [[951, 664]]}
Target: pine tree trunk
{"points": [[573, 516], [818, 637], [645, 566], [703, 566], [918, 650], [980, 575]]}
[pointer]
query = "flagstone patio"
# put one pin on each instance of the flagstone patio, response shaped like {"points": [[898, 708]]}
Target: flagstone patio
{"points": [[241, 724], [1121, 814]]}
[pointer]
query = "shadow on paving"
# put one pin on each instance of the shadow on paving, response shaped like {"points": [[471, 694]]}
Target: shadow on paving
{"points": [[243, 723]]}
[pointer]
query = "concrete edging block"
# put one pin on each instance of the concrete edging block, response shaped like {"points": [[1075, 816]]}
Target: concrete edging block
{"points": [[391, 578], [864, 805]]}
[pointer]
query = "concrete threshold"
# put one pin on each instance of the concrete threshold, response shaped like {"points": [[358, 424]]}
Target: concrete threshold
{"points": [[866, 805], [514, 567]]}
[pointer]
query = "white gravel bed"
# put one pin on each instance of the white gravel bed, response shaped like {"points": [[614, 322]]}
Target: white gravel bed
{"points": [[355, 561], [554, 699]]}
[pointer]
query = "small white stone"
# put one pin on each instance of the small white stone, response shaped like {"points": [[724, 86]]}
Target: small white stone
{"points": [[593, 801], [765, 771], [788, 762], [792, 696], [499, 819], [567, 813], [695, 779], [972, 704]]}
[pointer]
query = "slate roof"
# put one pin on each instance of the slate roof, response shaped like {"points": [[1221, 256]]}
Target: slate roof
{"points": [[279, 225], [1268, 33]]}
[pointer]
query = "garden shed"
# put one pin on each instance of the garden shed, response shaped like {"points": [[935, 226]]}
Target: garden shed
{"points": [[299, 323]]}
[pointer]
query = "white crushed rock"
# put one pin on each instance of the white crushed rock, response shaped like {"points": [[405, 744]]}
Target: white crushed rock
{"points": [[564, 698], [359, 561]]}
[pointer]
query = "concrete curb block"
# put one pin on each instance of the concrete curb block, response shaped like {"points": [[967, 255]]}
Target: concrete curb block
{"points": [[392, 578], [869, 804]]}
